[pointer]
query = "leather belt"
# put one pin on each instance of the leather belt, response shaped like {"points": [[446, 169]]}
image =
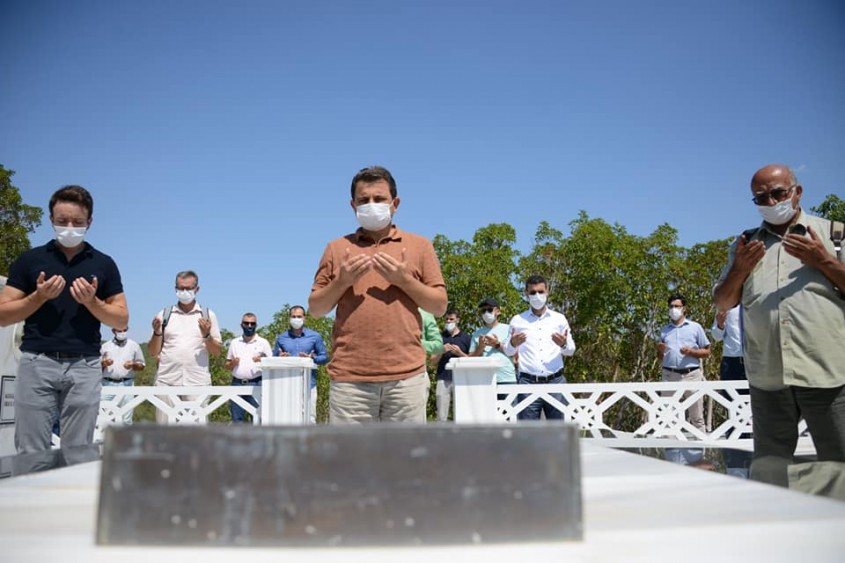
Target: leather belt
{"points": [[65, 356], [237, 381], [681, 370], [541, 378]]}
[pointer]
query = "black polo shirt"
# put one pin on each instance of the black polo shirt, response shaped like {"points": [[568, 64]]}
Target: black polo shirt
{"points": [[62, 324], [462, 340]]}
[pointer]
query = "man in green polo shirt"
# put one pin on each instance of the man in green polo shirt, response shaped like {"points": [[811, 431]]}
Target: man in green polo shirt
{"points": [[786, 274]]}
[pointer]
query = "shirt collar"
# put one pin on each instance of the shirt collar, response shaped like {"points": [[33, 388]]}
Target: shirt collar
{"points": [[545, 314], [52, 246], [799, 226], [393, 234]]}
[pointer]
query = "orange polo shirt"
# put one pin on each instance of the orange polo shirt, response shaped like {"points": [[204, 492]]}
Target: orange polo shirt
{"points": [[377, 329]]}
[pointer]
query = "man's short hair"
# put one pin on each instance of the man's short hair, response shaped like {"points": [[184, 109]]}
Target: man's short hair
{"points": [[452, 312], [300, 307], [374, 174], [249, 315], [677, 296], [534, 280], [489, 302], [188, 274], [73, 194]]}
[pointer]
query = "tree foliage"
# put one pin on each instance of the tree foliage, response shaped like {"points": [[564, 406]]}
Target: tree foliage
{"points": [[612, 286], [832, 208], [481, 269], [17, 220]]}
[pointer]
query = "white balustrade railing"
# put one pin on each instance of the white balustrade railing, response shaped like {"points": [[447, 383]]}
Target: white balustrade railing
{"points": [[657, 409], [637, 414], [285, 389]]}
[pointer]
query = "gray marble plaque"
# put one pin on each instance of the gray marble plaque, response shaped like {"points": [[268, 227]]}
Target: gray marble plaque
{"points": [[377, 484]]}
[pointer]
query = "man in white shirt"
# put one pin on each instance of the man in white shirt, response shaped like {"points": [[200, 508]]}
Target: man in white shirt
{"points": [[541, 337], [183, 341], [727, 327], [244, 359], [120, 358]]}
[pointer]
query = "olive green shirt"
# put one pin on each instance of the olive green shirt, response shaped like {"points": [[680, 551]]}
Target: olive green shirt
{"points": [[793, 321]]}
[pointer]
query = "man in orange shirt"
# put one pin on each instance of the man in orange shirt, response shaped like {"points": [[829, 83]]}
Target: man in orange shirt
{"points": [[377, 277]]}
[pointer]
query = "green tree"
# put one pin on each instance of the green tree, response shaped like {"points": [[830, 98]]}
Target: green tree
{"points": [[17, 220], [483, 268], [832, 208], [610, 285]]}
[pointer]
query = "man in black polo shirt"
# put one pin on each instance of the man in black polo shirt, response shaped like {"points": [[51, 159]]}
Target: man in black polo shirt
{"points": [[63, 290], [455, 345]]}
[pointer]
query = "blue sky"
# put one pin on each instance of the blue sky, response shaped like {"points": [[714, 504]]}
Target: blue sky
{"points": [[222, 136]]}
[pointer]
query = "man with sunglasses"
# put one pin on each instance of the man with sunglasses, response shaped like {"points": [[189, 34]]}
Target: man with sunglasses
{"points": [[184, 335], [243, 360], [542, 337], [785, 274]]}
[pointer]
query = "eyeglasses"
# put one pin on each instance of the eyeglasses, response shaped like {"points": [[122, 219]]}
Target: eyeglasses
{"points": [[777, 195], [486, 309], [246, 323], [536, 291]]}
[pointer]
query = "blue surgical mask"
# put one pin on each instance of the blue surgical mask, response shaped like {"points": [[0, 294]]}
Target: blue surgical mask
{"points": [[248, 330]]}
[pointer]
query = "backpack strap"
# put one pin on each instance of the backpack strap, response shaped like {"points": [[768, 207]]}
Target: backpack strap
{"points": [[837, 229], [749, 233], [165, 316]]}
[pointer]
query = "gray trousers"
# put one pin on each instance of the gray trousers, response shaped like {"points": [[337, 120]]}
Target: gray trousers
{"points": [[45, 386], [775, 419]]}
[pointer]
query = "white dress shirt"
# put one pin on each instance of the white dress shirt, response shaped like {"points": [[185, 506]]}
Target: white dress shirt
{"points": [[539, 355]]}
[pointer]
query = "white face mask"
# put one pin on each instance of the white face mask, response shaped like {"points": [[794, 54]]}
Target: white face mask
{"points": [[296, 323], [538, 301], [450, 327], [70, 237], [120, 336], [186, 296], [373, 216], [675, 313], [779, 213], [488, 318]]}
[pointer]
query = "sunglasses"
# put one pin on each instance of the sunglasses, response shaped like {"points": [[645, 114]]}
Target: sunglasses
{"points": [[777, 195], [487, 309], [536, 291], [245, 323]]}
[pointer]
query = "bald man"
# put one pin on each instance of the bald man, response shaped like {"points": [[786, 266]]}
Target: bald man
{"points": [[785, 273]]}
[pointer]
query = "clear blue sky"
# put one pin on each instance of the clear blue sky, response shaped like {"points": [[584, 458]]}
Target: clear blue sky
{"points": [[222, 136]]}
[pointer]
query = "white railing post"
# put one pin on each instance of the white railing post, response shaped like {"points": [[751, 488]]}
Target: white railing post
{"points": [[286, 390], [475, 389]]}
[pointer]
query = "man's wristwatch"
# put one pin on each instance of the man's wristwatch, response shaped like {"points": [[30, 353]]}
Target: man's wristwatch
{"points": [[207, 336]]}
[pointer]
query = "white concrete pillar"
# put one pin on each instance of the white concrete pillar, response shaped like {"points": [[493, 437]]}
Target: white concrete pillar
{"points": [[286, 390], [475, 389]]}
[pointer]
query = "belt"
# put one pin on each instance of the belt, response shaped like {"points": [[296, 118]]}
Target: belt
{"points": [[117, 378], [541, 378], [237, 381], [64, 356], [681, 370]]}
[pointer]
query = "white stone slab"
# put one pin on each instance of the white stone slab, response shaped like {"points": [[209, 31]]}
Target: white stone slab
{"points": [[635, 509]]}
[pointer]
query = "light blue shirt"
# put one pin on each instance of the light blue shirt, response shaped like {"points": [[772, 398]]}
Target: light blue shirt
{"points": [[307, 342], [731, 334], [506, 373], [688, 334]]}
